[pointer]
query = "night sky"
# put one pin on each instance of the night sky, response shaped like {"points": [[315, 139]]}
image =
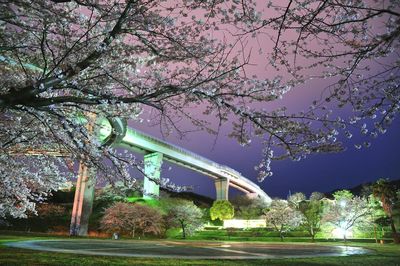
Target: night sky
{"points": [[321, 172]]}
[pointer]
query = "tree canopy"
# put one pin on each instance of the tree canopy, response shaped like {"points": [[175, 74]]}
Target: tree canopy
{"points": [[61, 58], [186, 215], [222, 210]]}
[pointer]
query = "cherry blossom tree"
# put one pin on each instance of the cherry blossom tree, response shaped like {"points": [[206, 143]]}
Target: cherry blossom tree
{"points": [[185, 215], [28, 181], [61, 59], [354, 47], [346, 211], [282, 217], [131, 218]]}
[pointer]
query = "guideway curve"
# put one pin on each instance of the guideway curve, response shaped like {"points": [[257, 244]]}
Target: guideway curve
{"points": [[189, 250]]}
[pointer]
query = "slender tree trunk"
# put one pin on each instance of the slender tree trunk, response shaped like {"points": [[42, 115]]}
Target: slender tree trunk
{"points": [[375, 234], [396, 237], [183, 230], [312, 234], [281, 235]]}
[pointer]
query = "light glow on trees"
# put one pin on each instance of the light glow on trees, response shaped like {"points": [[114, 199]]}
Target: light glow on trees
{"points": [[342, 233], [119, 58]]}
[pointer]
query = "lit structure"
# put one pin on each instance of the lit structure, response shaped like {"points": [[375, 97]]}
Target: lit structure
{"points": [[242, 223], [157, 150], [115, 132]]}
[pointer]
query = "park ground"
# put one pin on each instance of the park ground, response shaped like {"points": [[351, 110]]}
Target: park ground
{"points": [[386, 254]]}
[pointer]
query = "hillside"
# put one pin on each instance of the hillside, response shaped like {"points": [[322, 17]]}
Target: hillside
{"points": [[360, 190]]}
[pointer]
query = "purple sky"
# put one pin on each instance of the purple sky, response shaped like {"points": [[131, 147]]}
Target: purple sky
{"points": [[323, 172]]}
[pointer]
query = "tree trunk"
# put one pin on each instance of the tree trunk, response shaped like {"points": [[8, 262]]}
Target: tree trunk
{"points": [[183, 231], [281, 235], [396, 237], [312, 234]]}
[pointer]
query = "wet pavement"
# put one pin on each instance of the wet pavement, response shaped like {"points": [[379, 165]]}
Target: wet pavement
{"points": [[188, 250]]}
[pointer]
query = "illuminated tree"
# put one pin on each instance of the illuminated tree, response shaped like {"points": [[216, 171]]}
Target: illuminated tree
{"points": [[119, 218], [246, 207], [346, 211], [149, 220], [222, 210], [386, 192], [378, 216], [282, 217], [312, 210], [60, 58], [27, 183], [353, 46], [131, 218], [296, 198], [117, 191], [187, 216]]}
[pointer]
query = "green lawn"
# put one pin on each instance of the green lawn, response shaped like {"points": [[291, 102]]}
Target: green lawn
{"points": [[388, 254]]}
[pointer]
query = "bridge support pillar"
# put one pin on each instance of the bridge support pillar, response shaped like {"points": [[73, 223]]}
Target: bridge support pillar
{"points": [[83, 200], [152, 171], [222, 188]]}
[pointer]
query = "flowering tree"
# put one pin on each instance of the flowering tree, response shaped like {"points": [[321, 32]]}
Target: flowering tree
{"points": [[282, 217], [311, 209], [185, 215], [61, 58], [119, 218], [346, 211], [353, 45], [131, 218], [26, 183]]}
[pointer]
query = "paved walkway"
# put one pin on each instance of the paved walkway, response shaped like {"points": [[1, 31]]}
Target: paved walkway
{"points": [[188, 250]]}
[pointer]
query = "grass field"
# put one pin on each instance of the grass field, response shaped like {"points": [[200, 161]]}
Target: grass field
{"points": [[387, 254]]}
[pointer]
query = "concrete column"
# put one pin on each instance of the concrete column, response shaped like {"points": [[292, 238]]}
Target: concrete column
{"points": [[83, 201], [152, 170], [222, 188], [84, 193]]}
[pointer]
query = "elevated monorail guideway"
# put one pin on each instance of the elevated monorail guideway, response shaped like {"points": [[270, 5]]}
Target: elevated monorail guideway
{"points": [[156, 150], [116, 133]]}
